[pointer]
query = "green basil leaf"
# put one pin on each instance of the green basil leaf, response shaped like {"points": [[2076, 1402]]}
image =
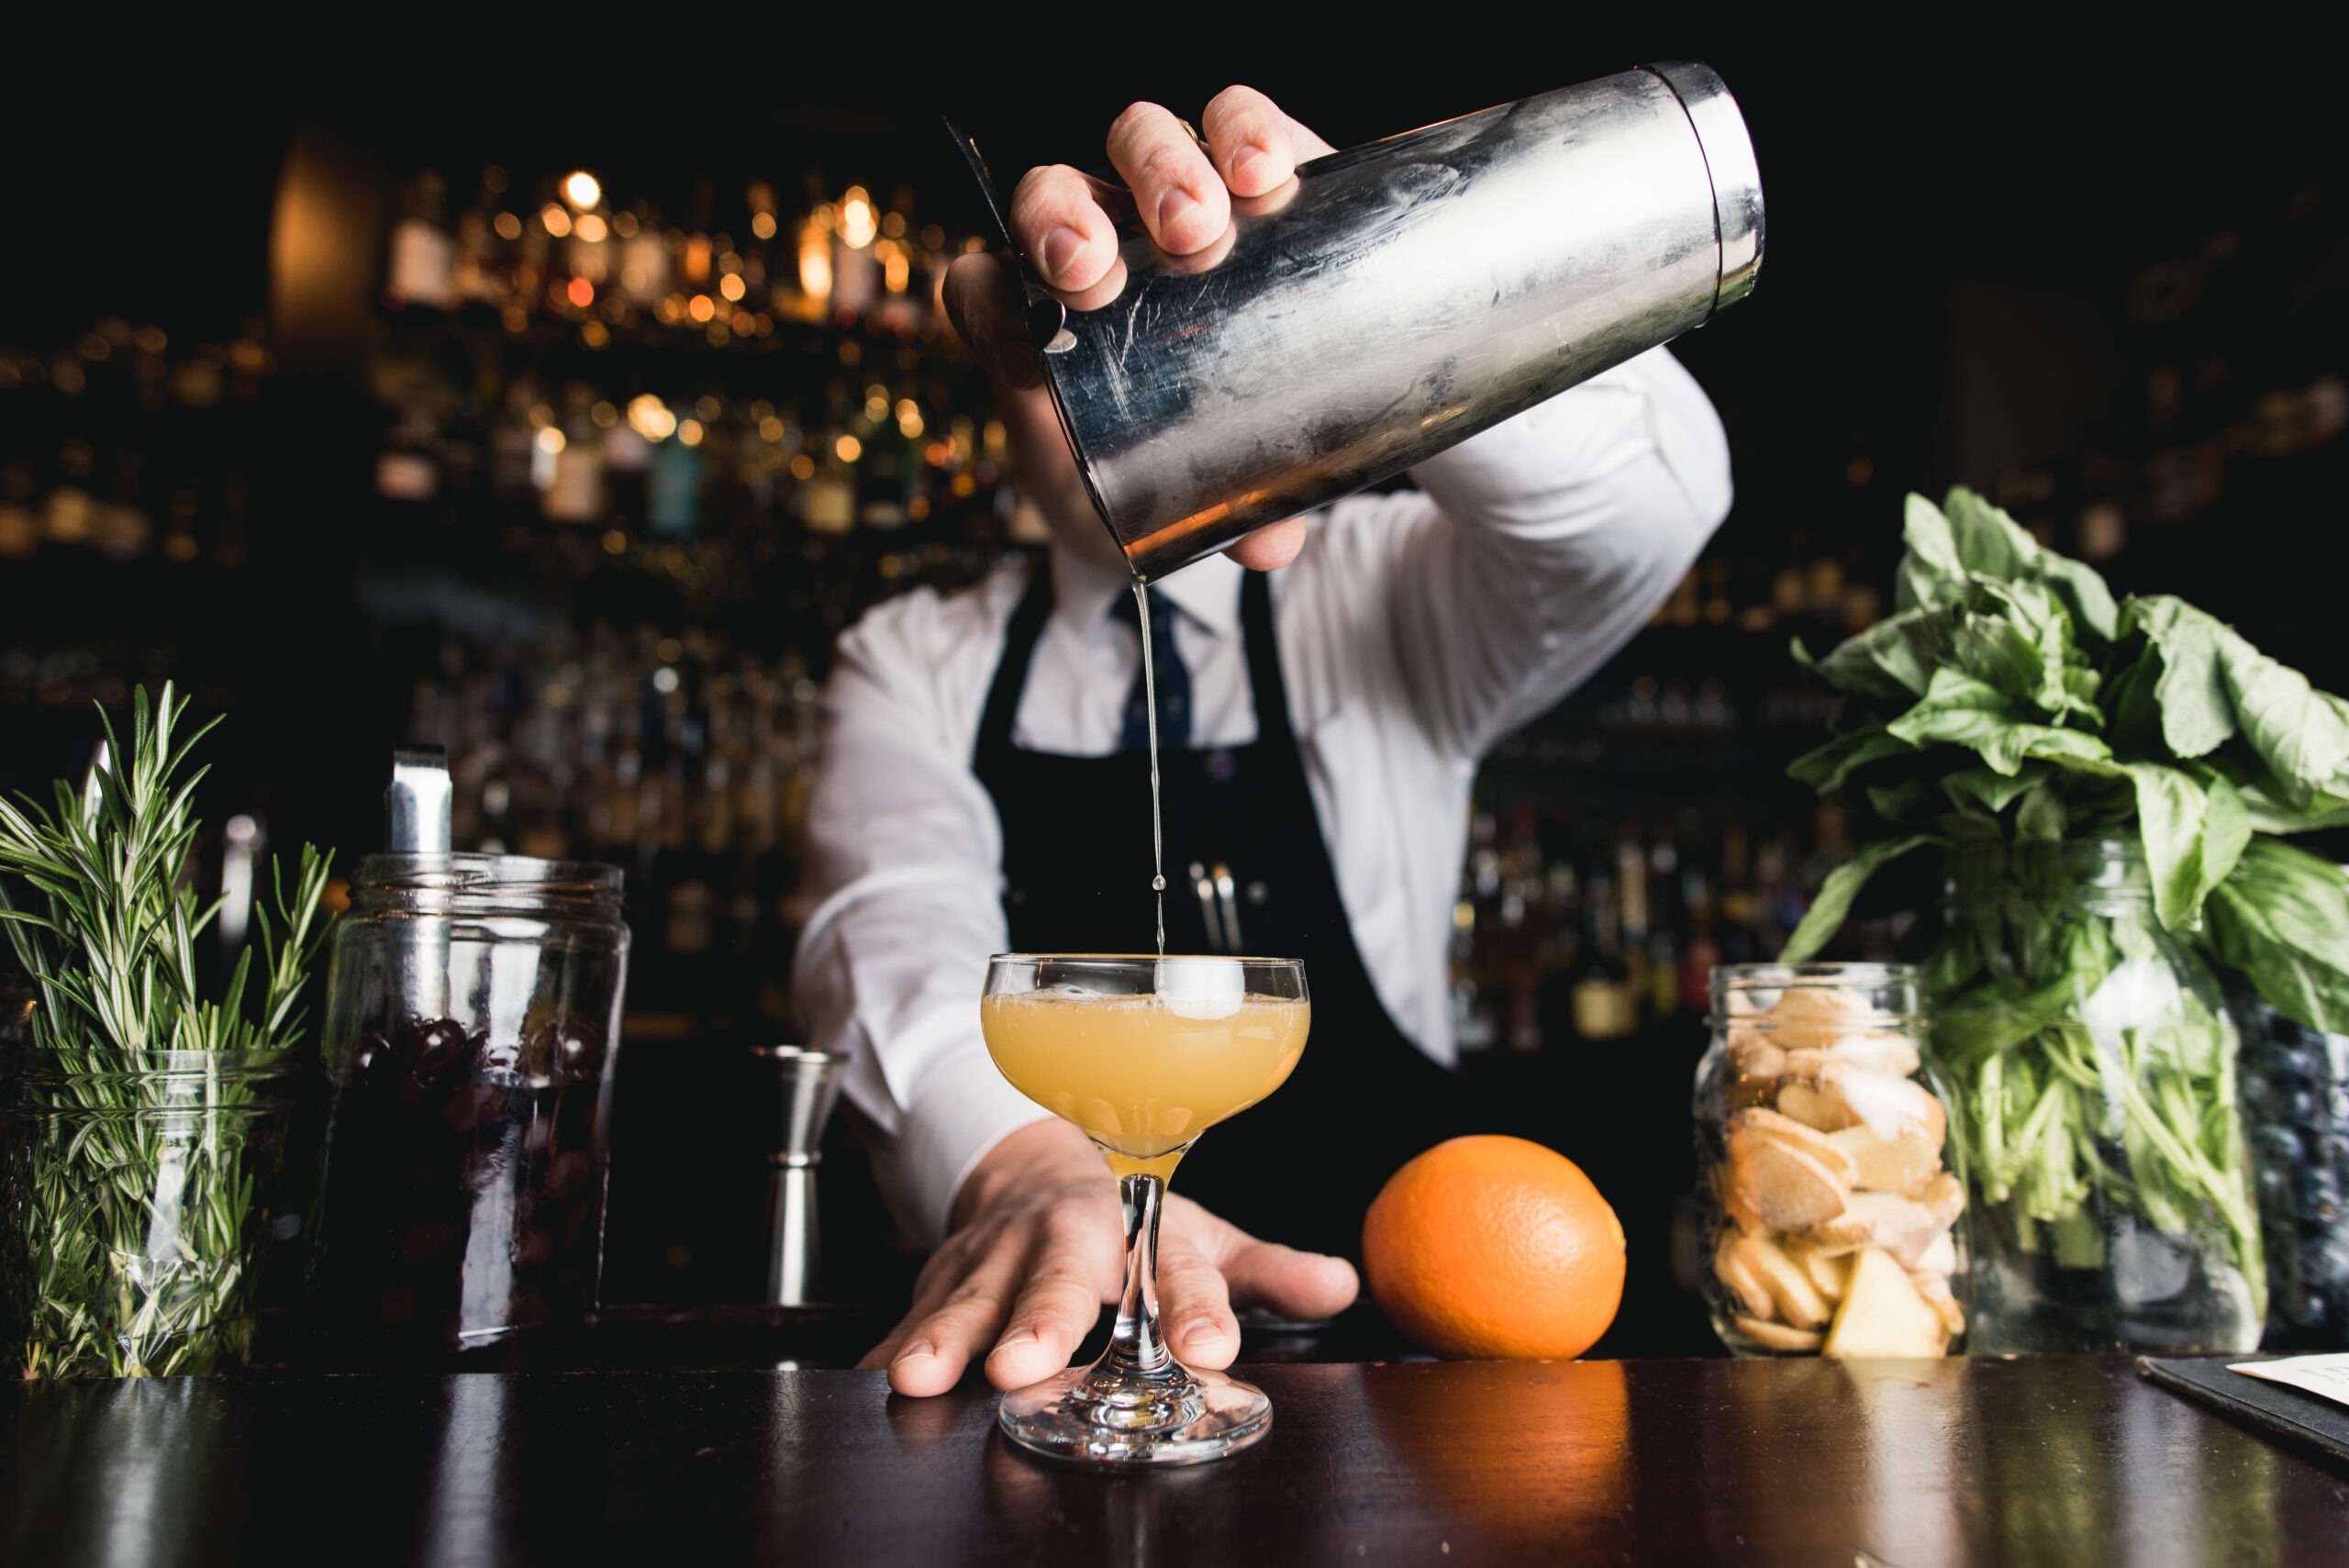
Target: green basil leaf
{"points": [[1894, 658], [2072, 748], [1998, 652], [1929, 572], [2226, 827], [2170, 806], [2282, 918], [1956, 959], [2084, 594], [1988, 540], [2267, 814], [2197, 714], [2133, 714], [2300, 733], [2034, 615], [1914, 803], [1997, 1016], [1950, 691], [1991, 790], [2041, 817], [1826, 912], [1827, 768]]}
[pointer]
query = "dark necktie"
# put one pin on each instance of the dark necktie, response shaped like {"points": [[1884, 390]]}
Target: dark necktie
{"points": [[1174, 680]]}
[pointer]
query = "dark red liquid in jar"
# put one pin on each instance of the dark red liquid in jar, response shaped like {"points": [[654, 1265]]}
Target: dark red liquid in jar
{"points": [[464, 1201]]}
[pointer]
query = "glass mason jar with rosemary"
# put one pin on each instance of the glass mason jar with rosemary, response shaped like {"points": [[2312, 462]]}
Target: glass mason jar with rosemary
{"points": [[145, 1124], [2094, 1062], [139, 1187]]}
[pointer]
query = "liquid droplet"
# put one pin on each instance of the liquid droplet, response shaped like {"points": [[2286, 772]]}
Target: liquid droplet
{"points": [[1158, 885]]}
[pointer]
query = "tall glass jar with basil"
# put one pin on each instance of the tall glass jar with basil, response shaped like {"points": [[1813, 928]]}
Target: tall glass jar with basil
{"points": [[2093, 1060]]}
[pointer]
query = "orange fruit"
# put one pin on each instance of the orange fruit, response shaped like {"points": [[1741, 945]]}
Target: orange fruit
{"points": [[1494, 1246]]}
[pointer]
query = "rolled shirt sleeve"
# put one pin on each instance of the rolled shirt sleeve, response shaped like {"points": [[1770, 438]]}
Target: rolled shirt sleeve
{"points": [[1554, 536], [906, 854]]}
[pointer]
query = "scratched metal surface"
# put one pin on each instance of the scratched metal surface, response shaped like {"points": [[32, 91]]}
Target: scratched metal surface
{"points": [[1399, 297]]}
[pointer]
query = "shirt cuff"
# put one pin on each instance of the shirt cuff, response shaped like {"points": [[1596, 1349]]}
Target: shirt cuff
{"points": [[965, 1108]]}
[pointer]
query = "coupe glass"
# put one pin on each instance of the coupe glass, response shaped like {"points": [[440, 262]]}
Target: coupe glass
{"points": [[1143, 1053]]}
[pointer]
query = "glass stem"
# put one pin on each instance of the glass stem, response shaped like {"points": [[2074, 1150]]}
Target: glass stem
{"points": [[1136, 1346]]}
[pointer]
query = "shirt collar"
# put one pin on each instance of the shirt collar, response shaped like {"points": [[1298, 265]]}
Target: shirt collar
{"points": [[1208, 590]]}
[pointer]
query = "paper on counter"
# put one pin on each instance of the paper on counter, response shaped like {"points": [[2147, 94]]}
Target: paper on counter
{"points": [[2326, 1376]]}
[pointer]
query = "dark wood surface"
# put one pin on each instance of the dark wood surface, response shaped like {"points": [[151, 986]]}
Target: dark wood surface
{"points": [[2049, 1460]]}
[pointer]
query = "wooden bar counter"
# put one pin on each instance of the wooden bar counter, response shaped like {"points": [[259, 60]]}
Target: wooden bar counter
{"points": [[2044, 1460]]}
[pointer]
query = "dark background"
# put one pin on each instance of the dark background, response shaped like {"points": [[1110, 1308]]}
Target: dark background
{"points": [[1990, 236], [1958, 214]]}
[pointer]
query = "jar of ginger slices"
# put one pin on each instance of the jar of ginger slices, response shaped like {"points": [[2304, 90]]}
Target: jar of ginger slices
{"points": [[1832, 1202]]}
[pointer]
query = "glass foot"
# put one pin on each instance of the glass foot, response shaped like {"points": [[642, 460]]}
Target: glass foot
{"points": [[1179, 1417]]}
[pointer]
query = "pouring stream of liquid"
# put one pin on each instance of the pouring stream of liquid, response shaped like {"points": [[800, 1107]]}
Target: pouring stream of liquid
{"points": [[1150, 696]]}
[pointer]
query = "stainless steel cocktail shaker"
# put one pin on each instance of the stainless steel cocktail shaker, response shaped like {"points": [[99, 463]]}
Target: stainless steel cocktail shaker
{"points": [[1397, 298]]}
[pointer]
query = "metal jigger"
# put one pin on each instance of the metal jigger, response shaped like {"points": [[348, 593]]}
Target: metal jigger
{"points": [[811, 1082]]}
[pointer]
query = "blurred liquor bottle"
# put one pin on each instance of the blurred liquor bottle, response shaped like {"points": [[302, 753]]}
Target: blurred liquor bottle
{"points": [[1606, 998]]}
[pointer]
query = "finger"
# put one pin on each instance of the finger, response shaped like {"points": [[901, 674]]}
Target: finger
{"points": [[938, 1280], [1060, 225], [1290, 1282], [1179, 195], [1195, 1305], [983, 301], [936, 1351], [1270, 547], [1255, 146], [1054, 1309]]}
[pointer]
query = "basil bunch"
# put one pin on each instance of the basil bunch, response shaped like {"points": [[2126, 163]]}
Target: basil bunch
{"points": [[2009, 697], [2009, 706]]}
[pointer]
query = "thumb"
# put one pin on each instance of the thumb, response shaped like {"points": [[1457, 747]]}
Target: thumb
{"points": [[983, 301], [1270, 547]]}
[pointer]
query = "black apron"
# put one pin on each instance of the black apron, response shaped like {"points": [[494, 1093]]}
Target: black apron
{"points": [[1301, 1167]]}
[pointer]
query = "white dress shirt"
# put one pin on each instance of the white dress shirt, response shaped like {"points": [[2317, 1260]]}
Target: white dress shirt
{"points": [[1415, 630]]}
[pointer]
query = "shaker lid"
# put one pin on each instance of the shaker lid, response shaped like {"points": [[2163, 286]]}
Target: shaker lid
{"points": [[1728, 148]]}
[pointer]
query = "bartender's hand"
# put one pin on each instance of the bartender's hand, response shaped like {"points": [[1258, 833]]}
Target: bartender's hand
{"points": [[1039, 1249], [1065, 223]]}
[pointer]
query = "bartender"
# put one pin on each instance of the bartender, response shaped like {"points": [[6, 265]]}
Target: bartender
{"points": [[1325, 689]]}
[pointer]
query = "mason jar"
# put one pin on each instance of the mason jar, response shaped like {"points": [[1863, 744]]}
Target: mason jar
{"points": [[473, 1006], [1830, 1188], [138, 1189], [2095, 1062]]}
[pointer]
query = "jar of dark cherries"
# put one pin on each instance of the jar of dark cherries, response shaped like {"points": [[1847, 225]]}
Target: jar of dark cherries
{"points": [[472, 1009]]}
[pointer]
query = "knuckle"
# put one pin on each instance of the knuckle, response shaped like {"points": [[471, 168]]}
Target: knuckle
{"points": [[1168, 163], [1060, 1276], [941, 1268], [1237, 104], [1137, 116], [974, 1290], [1045, 189], [1071, 1218]]}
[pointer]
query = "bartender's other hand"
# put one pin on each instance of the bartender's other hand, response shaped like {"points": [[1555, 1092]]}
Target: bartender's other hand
{"points": [[1066, 222], [1039, 1249]]}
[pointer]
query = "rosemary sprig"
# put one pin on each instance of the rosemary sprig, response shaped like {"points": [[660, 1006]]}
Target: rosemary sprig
{"points": [[135, 1168]]}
